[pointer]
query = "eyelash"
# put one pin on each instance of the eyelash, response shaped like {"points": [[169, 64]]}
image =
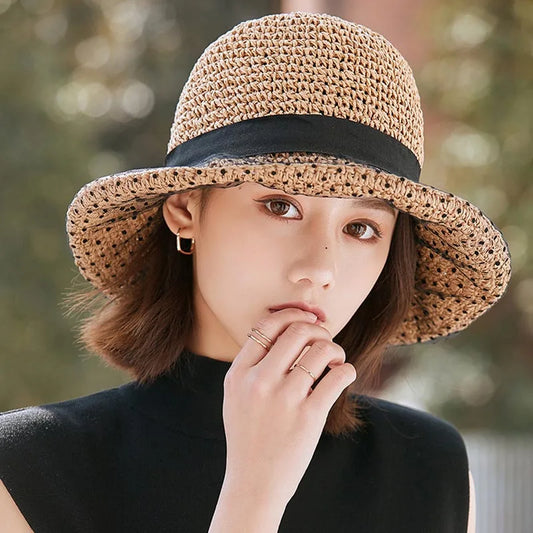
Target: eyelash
{"points": [[374, 227]]}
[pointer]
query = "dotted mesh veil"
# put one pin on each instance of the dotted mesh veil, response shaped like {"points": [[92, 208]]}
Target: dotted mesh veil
{"points": [[305, 64]]}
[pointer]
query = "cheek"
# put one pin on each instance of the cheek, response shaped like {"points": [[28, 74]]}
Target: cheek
{"points": [[232, 258], [360, 275], [357, 283]]}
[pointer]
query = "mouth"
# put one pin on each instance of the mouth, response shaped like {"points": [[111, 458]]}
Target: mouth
{"points": [[321, 315]]}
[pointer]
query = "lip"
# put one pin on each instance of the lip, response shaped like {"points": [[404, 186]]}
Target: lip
{"points": [[302, 305]]}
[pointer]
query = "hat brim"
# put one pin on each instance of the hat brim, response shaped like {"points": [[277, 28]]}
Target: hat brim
{"points": [[463, 264]]}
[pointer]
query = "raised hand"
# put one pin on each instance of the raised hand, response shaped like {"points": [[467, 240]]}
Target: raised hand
{"points": [[273, 418]]}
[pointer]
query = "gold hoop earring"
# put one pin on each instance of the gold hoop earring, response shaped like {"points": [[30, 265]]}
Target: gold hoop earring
{"points": [[178, 242]]}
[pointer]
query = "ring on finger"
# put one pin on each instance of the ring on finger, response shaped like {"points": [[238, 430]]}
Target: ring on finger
{"points": [[261, 335], [305, 369]]}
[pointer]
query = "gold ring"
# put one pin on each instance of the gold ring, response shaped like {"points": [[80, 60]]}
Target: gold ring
{"points": [[262, 335], [258, 341], [306, 369]]}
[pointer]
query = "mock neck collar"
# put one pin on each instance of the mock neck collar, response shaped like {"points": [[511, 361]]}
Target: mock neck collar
{"points": [[199, 372], [188, 398]]}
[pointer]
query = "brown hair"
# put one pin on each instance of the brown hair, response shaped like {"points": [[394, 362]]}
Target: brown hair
{"points": [[144, 327]]}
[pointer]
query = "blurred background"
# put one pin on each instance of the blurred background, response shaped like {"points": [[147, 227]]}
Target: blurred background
{"points": [[89, 88]]}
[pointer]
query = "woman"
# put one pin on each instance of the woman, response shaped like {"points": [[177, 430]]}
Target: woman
{"points": [[291, 185]]}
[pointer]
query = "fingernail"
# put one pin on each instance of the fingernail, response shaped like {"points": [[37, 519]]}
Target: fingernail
{"points": [[312, 316]]}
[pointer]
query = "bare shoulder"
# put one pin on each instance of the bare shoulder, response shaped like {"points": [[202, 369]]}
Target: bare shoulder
{"points": [[10, 515]]}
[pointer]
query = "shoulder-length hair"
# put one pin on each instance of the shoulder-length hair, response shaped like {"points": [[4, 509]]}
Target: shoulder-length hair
{"points": [[144, 327]]}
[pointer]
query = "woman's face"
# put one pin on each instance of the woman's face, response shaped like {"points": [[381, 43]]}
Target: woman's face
{"points": [[258, 247]]}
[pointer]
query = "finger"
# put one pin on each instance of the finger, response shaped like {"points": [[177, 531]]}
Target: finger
{"points": [[330, 387], [320, 355], [271, 326], [289, 347]]}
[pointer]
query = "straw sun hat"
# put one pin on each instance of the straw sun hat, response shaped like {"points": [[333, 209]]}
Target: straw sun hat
{"points": [[310, 104]]}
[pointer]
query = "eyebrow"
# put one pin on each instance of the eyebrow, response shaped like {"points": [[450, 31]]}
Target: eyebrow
{"points": [[369, 203], [373, 203]]}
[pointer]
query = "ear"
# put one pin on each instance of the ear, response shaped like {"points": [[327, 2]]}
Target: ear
{"points": [[179, 212]]}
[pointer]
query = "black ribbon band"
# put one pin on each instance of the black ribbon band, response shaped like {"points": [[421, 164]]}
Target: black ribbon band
{"points": [[300, 133]]}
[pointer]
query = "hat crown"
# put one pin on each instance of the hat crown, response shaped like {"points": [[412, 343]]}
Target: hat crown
{"points": [[301, 63]]}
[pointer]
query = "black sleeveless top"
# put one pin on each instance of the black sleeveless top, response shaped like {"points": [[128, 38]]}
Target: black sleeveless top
{"points": [[152, 458]]}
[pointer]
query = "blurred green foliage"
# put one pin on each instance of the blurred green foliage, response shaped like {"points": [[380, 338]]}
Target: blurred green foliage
{"points": [[90, 87], [477, 91]]}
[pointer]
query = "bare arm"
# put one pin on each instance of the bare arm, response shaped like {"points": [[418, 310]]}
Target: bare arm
{"points": [[10, 515], [243, 512], [271, 440], [240, 508], [472, 507]]}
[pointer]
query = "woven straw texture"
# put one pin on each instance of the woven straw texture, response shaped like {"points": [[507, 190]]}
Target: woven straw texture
{"points": [[306, 64]]}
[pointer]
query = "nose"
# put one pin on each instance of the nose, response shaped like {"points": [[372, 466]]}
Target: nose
{"points": [[314, 257]]}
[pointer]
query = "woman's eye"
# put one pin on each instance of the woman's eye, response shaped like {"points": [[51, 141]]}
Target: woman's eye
{"points": [[364, 231], [278, 208]]}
